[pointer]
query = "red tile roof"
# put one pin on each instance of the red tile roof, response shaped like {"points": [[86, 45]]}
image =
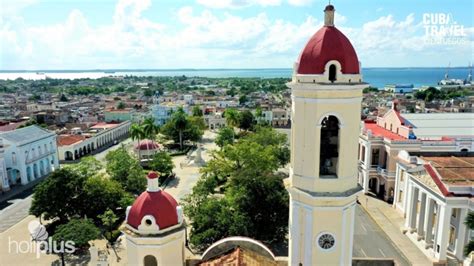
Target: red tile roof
{"points": [[65, 140], [382, 132]]}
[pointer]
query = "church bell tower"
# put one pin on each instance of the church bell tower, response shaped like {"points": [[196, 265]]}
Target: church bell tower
{"points": [[326, 104]]}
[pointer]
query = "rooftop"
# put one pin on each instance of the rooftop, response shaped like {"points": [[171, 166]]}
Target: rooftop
{"points": [[65, 140], [453, 170], [382, 132], [441, 124], [26, 134]]}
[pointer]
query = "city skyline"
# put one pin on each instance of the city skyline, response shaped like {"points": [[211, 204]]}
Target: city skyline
{"points": [[208, 34]]}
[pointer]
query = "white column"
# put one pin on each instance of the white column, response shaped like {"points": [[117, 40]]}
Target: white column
{"points": [[409, 199], [421, 216], [443, 232], [428, 227], [412, 210], [365, 176], [461, 234], [368, 160]]}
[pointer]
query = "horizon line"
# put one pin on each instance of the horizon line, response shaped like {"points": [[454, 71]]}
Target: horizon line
{"points": [[192, 69]]}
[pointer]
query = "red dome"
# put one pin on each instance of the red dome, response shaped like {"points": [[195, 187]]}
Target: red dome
{"points": [[159, 204], [325, 45], [147, 144]]}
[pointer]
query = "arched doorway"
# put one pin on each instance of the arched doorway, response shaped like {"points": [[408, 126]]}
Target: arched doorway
{"points": [[329, 146], [150, 260], [373, 185], [35, 171], [68, 156]]}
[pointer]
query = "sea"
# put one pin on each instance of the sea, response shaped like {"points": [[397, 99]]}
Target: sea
{"points": [[376, 77]]}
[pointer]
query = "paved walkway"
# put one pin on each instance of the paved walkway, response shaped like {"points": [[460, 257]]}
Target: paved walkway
{"points": [[390, 220]]}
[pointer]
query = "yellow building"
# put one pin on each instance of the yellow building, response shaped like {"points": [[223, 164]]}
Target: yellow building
{"points": [[326, 104]]}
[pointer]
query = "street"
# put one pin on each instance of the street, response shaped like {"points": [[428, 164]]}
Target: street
{"points": [[370, 241]]}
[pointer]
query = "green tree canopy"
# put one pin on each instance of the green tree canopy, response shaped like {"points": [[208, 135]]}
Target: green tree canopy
{"points": [[225, 135], [239, 187], [60, 195], [79, 231], [246, 120], [181, 128], [162, 163], [126, 170], [470, 224], [197, 110]]}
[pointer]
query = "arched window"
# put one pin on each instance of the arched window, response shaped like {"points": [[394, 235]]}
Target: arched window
{"points": [[150, 260], [329, 147], [332, 73]]}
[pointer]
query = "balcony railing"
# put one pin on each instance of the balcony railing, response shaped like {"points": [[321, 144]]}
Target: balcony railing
{"points": [[31, 159], [383, 172]]}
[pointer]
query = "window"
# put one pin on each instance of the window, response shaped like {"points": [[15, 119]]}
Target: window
{"points": [[150, 260], [45, 148], [13, 158], [375, 156], [402, 175], [400, 196], [329, 149], [454, 213], [332, 73]]}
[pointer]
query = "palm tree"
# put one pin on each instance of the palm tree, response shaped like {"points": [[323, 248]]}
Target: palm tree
{"points": [[136, 133], [180, 121], [150, 129], [469, 222], [231, 117]]}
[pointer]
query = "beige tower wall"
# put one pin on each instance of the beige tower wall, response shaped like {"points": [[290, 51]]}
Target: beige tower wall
{"points": [[321, 205], [167, 249], [308, 111]]}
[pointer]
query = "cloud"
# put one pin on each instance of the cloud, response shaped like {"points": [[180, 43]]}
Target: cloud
{"points": [[300, 2], [208, 39], [237, 3]]}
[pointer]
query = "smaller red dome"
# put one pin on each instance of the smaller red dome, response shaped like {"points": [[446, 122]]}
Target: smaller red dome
{"points": [[153, 175], [159, 204], [147, 144], [328, 44]]}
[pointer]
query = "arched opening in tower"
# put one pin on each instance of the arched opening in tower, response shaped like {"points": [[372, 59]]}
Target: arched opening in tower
{"points": [[332, 73], [329, 147], [150, 260]]}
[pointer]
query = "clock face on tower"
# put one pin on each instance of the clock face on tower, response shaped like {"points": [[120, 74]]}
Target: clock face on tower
{"points": [[326, 241]]}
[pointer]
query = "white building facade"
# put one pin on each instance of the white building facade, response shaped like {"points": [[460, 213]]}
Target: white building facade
{"points": [[435, 194], [380, 142], [73, 147], [30, 153]]}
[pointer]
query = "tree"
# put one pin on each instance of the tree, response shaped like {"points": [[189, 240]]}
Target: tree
{"points": [[162, 163], [121, 105], [181, 127], [150, 129], [109, 225], [469, 222], [79, 231], [102, 194], [63, 98], [136, 133], [246, 120], [197, 111], [225, 136], [232, 117], [253, 196], [122, 167], [180, 122], [61, 195], [243, 99], [136, 180]]}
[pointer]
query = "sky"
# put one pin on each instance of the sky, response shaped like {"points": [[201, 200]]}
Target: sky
{"points": [[172, 34]]}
